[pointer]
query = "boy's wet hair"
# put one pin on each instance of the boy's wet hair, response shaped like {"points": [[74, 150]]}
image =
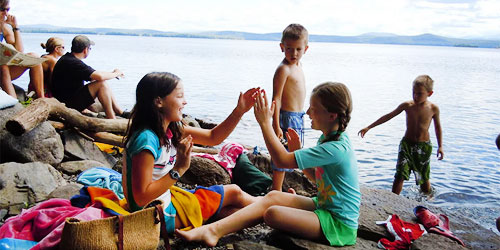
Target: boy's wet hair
{"points": [[335, 98], [425, 81], [295, 32], [146, 115]]}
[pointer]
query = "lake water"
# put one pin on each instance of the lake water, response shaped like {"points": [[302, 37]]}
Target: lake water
{"points": [[467, 82]]}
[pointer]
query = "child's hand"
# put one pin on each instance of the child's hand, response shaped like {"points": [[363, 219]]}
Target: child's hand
{"points": [[261, 108], [246, 100], [440, 154], [184, 154], [293, 140], [363, 132]]}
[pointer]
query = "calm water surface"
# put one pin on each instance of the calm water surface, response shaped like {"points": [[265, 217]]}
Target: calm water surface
{"points": [[467, 82]]}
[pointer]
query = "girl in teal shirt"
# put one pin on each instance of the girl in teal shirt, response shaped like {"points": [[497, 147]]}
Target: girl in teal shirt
{"points": [[331, 216]]}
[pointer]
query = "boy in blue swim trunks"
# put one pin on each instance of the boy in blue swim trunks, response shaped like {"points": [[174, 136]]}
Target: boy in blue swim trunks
{"points": [[289, 91], [415, 148]]}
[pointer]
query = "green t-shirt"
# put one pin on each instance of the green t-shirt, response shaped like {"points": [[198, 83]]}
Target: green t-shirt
{"points": [[336, 174]]}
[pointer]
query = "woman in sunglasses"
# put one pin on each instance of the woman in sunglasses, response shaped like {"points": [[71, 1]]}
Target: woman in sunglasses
{"points": [[11, 33], [55, 49]]}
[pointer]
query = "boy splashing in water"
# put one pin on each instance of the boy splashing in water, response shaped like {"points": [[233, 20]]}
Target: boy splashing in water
{"points": [[415, 148]]}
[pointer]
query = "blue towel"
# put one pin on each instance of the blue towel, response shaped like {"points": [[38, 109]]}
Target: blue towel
{"points": [[104, 178]]}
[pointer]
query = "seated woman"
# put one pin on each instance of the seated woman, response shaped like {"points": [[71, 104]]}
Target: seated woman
{"points": [[12, 35], [55, 49], [157, 153]]}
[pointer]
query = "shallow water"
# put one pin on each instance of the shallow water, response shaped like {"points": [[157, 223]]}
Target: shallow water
{"points": [[467, 82]]}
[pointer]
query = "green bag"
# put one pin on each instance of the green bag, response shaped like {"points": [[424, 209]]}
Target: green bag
{"points": [[249, 177]]}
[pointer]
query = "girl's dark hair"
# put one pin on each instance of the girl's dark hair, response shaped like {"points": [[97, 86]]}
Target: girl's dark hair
{"points": [[4, 3], [336, 98], [146, 115]]}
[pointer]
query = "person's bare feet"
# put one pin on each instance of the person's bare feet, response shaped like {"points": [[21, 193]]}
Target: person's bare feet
{"points": [[200, 234]]}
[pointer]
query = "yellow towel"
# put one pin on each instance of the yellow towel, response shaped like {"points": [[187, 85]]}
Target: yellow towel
{"points": [[107, 203], [188, 208]]}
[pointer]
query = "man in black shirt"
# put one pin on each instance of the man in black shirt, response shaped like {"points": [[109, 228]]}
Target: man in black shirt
{"points": [[70, 74]]}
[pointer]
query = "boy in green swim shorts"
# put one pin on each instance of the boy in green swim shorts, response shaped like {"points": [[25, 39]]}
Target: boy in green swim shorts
{"points": [[415, 148]]}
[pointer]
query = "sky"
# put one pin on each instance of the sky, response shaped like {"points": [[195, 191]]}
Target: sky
{"points": [[452, 18]]}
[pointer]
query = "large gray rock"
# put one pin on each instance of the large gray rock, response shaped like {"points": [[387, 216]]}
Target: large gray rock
{"points": [[66, 191], [5, 115], [26, 184], [78, 148], [205, 172], [76, 167], [41, 144]]}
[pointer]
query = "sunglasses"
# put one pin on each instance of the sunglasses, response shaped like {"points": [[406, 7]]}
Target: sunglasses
{"points": [[4, 9]]}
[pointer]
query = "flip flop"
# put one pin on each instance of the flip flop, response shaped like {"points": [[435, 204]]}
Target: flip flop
{"points": [[434, 224]]}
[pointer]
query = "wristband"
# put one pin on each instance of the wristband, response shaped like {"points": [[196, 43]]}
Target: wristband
{"points": [[16, 28]]}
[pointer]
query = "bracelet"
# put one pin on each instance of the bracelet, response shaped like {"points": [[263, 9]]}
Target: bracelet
{"points": [[16, 28]]}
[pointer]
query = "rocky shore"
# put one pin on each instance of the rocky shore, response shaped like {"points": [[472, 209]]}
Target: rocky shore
{"points": [[44, 162]]}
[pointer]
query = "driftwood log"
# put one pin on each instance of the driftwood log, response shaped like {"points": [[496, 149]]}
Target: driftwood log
{"points": [[117, 140], [41, 109], [94, 129]]}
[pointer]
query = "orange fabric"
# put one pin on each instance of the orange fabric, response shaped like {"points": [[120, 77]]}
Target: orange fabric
{"points": [[209, 202], [95, 192]]}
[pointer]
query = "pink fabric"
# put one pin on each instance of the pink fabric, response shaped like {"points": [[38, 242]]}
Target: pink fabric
{"points": [[53, 238], [404, 233], [226, 157], [44, 222]]}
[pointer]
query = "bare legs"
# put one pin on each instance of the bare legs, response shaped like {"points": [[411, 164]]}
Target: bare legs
{"points": [[397, 186], [101, 90], [291, 213], [36, 79], [6, 81], [278, 177], [10, 73]]}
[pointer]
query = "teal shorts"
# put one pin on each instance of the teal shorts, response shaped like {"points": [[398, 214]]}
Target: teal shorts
{"points": [[336, 232], [416, 157]]}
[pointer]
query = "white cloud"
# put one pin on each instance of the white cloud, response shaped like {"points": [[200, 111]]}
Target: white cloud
{"points": [[459, 18]]}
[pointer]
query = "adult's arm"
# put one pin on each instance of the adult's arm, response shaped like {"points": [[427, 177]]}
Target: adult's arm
{"points": [[104, 75], [12, 34]]}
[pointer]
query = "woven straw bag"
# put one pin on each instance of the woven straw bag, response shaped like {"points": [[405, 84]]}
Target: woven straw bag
{"points": [[138, 230]]}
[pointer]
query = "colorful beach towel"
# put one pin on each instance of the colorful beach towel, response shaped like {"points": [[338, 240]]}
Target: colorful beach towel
{"points": [[45, 221]]}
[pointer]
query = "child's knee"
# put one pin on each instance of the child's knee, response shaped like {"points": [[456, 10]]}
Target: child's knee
{"points": [[233, 190], [271, 215]]}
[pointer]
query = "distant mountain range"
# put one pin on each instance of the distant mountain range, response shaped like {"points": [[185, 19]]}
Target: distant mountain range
{"points": [[373, 38]]}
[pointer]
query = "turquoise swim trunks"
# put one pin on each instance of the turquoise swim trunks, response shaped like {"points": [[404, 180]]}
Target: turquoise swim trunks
{"points": [[414, 156]]}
